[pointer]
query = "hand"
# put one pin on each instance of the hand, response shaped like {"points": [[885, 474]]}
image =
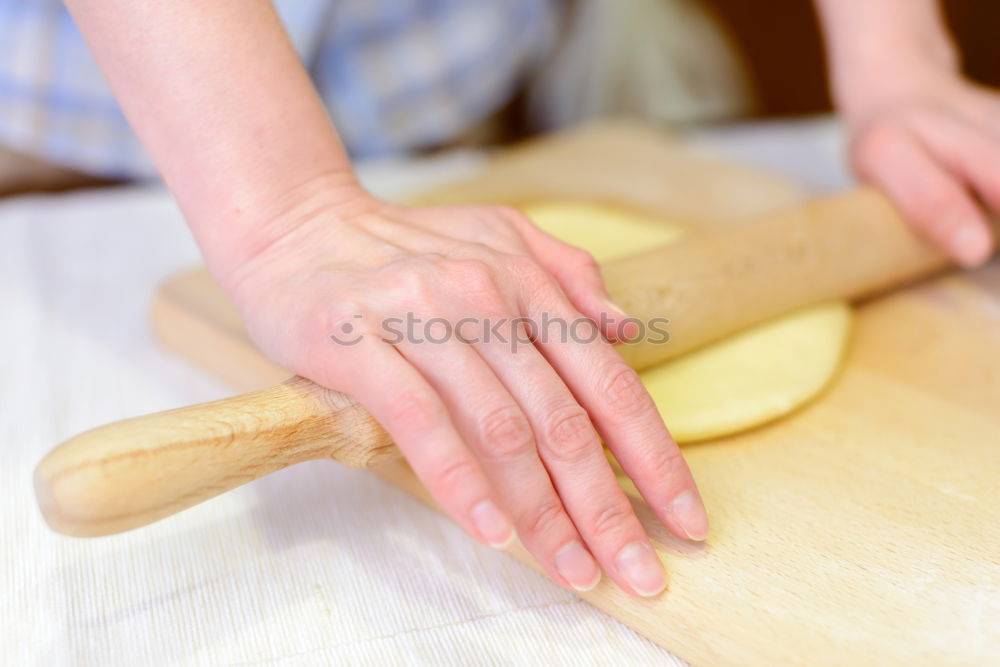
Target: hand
{"points": [[504, 433], [931, 141]]}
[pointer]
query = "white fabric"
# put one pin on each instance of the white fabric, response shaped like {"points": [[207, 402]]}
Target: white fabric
{"points": [[317, 564]]}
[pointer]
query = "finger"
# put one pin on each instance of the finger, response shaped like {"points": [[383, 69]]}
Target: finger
{"points": [[984, 110], [625, 415], [495, 426], [965, 150], [934, 200], [579, 276], [573, 455], [409, 408]]}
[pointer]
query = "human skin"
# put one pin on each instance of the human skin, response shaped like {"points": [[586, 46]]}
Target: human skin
{"points": [[919, 131], [505, 440]]}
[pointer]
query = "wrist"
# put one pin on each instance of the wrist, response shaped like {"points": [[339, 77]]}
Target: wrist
{"points": [[885, 50], [245, 240], [860, 87]]}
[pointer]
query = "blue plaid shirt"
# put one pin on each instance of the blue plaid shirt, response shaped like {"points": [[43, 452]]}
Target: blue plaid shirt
{"points": [[396, 75]]}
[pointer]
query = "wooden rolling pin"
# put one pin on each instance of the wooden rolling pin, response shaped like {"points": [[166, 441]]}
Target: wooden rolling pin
{"points": [[131, 473]]}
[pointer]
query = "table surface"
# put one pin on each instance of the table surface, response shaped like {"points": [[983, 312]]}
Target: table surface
{"points": [[315, 563]]}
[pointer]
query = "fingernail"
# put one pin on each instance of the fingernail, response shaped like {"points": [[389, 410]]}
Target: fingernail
{"points": [[612, 306], [491, 523], [690, 514], [625, 330], [640, 567], [970, 244], [577, 566]]}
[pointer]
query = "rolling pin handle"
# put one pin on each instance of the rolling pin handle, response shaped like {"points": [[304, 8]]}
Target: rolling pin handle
{"points": [[131, 473]]}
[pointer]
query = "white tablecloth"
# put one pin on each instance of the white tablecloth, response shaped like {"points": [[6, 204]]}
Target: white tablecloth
{"points": [[315, 564]]}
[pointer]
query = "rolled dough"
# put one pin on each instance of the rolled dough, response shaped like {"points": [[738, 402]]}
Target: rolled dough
{"points": [[735, 384], [606, 232]]}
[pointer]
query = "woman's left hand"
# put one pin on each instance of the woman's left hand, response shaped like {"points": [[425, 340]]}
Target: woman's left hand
{"points": [[931, 141]]}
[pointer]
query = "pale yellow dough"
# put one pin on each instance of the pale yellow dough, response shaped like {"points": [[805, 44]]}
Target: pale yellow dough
{"points": [[605, 232], [732, 385]]}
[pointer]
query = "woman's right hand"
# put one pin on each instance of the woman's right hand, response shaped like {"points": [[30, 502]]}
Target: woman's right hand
{"points": [[501, 423], [503, 439]]}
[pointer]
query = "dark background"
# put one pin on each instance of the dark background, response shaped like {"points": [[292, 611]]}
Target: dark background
{"points": [[782, 42]]}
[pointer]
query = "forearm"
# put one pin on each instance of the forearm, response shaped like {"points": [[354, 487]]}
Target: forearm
{"points": [[220, 99], [876, 43]]}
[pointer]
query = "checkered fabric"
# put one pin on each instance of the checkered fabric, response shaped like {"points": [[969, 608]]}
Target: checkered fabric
{"points": [[396, 75]]}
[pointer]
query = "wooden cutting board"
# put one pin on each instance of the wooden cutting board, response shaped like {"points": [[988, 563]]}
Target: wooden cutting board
{"points": [[864, 528]]}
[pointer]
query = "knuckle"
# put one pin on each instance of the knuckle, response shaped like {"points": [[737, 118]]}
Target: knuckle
{"points": [[417, 410], [475, 277], [611, 519], [874, 146], [474, 270], [877, 138], [340, 312], [569, 436], [535, 281], [344, 308], [527, 269], [507, 433], [622, 390], [542, 519], [454, 475], [347, 328], [584, 259], [661, 464], [409, 281]]}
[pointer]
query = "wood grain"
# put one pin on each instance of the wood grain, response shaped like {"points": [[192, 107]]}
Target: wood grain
{"points": [[861, 529], [133, 472], [714, 284], [124, 475]]}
